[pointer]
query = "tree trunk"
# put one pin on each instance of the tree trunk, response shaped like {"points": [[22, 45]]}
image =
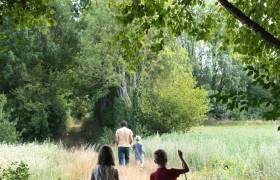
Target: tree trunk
{"points": [[123, 92], [238, 14]]}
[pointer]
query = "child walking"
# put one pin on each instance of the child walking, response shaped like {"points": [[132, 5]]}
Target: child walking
{"points": [[139, 151], [105, 165], [162, 173]]}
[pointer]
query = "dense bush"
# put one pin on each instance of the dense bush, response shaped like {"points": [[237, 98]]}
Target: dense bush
{"points": [[40, 113], [30, 112], [170, 100], [107, 136], [174, 105], [8, 133], [16, 171]]}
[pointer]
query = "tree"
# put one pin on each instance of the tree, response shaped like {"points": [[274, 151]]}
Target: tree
{"points": [[217, 72], [243, 18], [169, 98], [100, 70], [26, 13], [257, 48], [37, 72]]}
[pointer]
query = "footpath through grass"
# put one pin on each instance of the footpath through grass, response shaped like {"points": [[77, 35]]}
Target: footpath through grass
{"points": [[213, 152]]}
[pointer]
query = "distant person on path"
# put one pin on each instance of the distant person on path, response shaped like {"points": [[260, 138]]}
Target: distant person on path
{"points": [[162, 173], [139, 151], [124, 138], [105, 165]]}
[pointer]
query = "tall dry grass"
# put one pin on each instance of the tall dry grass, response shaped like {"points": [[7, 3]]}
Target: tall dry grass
{"points": [[224, 152], [51, 162], [85, 161]]}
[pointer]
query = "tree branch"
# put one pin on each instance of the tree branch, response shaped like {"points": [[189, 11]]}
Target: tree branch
{"points": [[244, 19]]}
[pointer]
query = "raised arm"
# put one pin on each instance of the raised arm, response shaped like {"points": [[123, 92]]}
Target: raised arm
{"points": [[184, 164]]}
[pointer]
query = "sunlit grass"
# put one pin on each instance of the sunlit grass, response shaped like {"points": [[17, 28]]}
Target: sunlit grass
{"points": [[238, 152], [46, 161]]}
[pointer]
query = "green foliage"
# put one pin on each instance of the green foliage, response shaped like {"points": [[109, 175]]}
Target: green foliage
{"points": [[170, 100], [205, 21], [30, 112], [174, 105], [18, 171], [99, 65], [234, 94], [37, 72], [140, 18], [8, 133], [27, 13], [98, 76], [258, 56], [107, 136]]}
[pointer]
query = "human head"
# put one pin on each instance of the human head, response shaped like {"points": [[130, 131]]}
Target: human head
{"points": [[124, 123], [106, 156], [160, 157], [138, 138]]}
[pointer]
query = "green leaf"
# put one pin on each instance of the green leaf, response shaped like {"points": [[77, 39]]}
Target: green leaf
{"points": [[250, 73]]}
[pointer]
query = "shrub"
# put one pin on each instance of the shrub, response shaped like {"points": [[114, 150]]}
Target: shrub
{"points": [[107, 136], [30, 112], [58, 117], [174, 105], [16, 171], [40, 112], [170, 99], [8, 133]]}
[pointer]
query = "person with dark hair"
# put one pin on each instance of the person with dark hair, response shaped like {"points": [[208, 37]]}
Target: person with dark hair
{"points": [[123, 124], [162, 173], [105, 165], [123, 139]]}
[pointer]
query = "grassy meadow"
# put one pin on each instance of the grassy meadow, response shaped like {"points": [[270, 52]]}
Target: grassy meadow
{"points": [[213, 152], [225, 152]]}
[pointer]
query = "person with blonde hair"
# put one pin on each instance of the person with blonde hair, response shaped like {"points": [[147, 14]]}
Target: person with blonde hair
{"points": [[139, 151]]}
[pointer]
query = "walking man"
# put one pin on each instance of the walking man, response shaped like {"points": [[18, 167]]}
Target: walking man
{"points": [[124, 138]]}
